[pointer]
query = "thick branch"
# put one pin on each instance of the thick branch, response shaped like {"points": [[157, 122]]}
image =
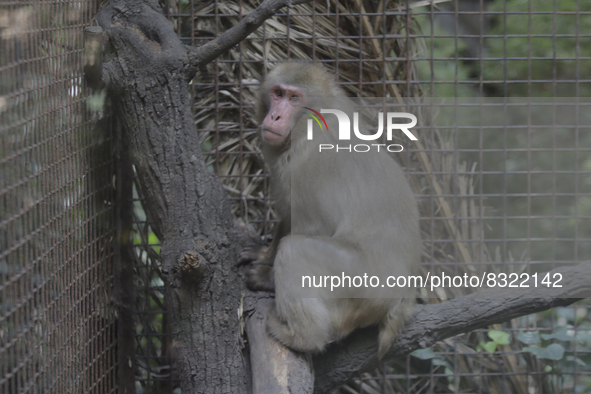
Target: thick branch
{"points": [[144, 75], [199, 57], [433, 323], [275, 368]]}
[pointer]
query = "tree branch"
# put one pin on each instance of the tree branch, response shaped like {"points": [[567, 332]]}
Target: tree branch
{"points": [[433, 323], [143, 72], [200, 56]]}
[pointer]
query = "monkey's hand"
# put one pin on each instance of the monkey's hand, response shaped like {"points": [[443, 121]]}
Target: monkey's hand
{"points": [[261, 277], [256, 254]]}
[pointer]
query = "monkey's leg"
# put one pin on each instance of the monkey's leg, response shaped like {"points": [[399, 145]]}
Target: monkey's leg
{"points": [[253, 254], [307, 332], [302, 323], [261, 277]]}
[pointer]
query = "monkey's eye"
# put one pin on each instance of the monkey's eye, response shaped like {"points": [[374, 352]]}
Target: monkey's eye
{"points": [[278, 93], [295, 99]]}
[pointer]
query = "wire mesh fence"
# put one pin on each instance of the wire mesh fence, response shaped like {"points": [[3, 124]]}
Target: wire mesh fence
{"points": [[514, 198], [57, 208], [511, 198]]}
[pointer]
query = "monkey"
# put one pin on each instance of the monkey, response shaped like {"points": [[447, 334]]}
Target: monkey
{"points": [[339, 213]]}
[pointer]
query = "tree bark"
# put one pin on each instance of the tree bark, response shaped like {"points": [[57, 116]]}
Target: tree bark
{"points": [[147, 83], [275, 369]]}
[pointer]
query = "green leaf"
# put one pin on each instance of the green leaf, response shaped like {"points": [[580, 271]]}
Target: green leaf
{"points": [[153, 239], [576, 360], [548, 368], [552, 352], [500, 337], [439, 361], [533, 349], [529, 337], [206, 146], [424, 354], [488, 346], [560, 334]]}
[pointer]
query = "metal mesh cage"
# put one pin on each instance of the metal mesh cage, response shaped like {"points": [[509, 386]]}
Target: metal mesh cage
{"points": [[57, 217], [488, 195], [514, 198]]}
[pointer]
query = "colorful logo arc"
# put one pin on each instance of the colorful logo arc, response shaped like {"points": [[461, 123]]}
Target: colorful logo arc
{"points": [[316, 119]]}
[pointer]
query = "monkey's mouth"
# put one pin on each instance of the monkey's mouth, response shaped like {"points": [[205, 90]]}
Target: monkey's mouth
{"points": [[273, 137], [266, 129]]}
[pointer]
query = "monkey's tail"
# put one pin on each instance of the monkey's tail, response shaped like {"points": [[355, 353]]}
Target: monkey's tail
{"points": [[393, 323]]}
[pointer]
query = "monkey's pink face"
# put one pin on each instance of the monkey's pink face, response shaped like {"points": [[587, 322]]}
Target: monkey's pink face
{"points": [[285, 102]]}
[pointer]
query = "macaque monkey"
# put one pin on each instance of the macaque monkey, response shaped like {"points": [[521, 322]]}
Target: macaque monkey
{"points": [[340, 213]]}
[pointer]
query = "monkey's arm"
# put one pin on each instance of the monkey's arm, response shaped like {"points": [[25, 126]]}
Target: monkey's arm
{"points": [[261, 276], [258, 254]]}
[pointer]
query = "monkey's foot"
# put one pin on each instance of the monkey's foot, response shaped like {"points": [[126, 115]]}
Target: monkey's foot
{"points": [[261, 277], [252, 254]]}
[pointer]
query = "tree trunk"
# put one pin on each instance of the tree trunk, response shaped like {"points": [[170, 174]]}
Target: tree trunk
{"points": [[189, 208]]}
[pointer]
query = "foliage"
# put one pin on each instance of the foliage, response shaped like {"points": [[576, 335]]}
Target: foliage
{"points": [[542, 40], [497, 338]]}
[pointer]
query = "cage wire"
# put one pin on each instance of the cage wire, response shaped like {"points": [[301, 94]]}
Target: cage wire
{"points": [[473, 186], [489, 198], [57, 208]]}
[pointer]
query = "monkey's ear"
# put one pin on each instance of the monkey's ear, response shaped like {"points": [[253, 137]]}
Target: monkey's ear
{"points": [[333, 77]]}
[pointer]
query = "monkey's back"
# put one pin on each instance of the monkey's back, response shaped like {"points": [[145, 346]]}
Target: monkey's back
{"points": [[364, 198]]}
